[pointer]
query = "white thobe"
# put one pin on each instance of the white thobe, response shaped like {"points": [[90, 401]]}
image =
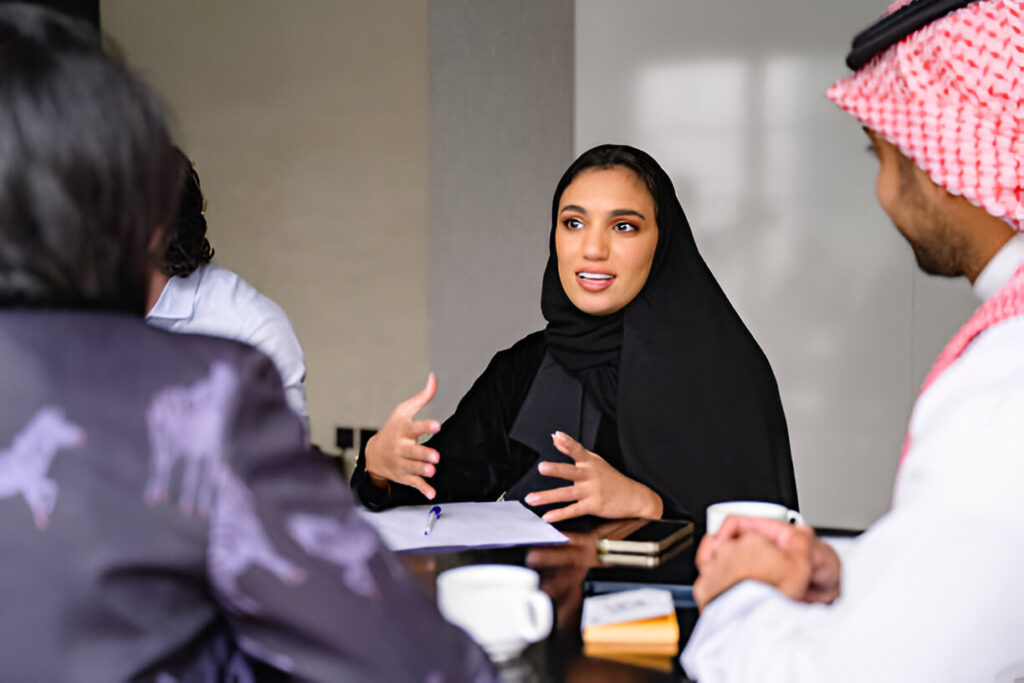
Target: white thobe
{"points": [[934, 590], [218, 303]]}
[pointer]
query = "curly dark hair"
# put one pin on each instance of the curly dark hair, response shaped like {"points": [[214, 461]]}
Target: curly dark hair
{"points": [[188, 248]]}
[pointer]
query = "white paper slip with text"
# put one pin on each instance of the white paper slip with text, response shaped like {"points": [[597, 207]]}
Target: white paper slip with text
{"points": [[634, 605]]}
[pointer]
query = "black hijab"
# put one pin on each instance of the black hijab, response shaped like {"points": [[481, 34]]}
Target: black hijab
{"points": [[693, 397]]}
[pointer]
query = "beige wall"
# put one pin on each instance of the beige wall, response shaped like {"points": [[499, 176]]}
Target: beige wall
{"points": [[308, 122]]}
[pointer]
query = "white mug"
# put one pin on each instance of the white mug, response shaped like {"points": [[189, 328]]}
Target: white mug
{"points": [[749, 508], [500, 606]]}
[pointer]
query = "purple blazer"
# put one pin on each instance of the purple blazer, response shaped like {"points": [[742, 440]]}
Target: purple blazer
{"points": [[161, 520]]}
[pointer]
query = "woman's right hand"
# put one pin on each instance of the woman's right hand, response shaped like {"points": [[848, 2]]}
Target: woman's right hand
{"points": [[395, 454]]}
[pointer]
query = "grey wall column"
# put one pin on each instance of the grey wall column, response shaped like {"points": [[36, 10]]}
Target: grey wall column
{"points": [[501, 133]]}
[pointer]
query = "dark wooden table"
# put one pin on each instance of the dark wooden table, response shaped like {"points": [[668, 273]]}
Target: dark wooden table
{"points": [[562, 570]]}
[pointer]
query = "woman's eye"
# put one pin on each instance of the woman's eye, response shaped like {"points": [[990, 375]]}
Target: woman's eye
{"points": [[573, 223], [624, 227]]}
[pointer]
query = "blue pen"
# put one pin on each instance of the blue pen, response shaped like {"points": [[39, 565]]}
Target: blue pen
{"points": [[432, 516]]}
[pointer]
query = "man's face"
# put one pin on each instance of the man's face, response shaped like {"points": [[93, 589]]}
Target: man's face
{"points": [[911, 199]]}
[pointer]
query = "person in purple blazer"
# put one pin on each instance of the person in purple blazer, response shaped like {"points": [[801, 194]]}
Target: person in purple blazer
{"points": [[160, 516]]}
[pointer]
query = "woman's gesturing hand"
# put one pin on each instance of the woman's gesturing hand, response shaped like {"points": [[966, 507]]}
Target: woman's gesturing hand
{"points": [[395, 454], [597, 487]]}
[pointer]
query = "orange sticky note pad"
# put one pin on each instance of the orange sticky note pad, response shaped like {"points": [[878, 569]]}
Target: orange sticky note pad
{"points": [[639, 622], [659, 635]]}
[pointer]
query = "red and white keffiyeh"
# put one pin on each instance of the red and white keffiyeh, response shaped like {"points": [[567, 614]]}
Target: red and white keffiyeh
{"points": [[950, 96], [1008, 303]]}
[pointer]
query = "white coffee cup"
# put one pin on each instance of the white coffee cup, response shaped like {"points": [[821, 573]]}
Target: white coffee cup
{"points": [[500, 606], [749, 508]]}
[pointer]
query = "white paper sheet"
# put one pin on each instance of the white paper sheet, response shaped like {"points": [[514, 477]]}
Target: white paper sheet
{"points": [[463, 525]]}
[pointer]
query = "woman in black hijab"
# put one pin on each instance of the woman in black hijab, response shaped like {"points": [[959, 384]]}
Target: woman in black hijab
{"points": [[645, 396]]}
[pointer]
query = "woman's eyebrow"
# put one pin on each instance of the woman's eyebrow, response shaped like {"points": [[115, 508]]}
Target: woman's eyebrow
{"points": [[627, 212], [614, 214]]}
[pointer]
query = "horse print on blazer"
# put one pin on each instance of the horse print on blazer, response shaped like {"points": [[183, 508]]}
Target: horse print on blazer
{"points": [[347, 543], [187, 424], [238, 541], [25, 465]]}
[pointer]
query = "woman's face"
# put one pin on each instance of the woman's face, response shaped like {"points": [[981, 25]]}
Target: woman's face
{"points": [[605, 239]]}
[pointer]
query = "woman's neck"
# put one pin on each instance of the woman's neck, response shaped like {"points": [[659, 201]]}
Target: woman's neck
{"points": [[157, 281]]}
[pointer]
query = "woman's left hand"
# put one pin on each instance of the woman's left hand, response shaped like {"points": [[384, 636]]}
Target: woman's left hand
{"points": [[597, 487]]}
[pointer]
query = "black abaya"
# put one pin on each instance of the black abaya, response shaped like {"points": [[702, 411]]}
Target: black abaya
{"points": [[675, 376]]}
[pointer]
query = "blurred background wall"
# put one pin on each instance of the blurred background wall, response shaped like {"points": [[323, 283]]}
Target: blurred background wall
{"points": [[384, 169], [779, 190]]}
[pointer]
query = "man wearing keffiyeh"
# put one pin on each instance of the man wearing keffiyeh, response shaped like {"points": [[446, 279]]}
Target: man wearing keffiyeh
{"points": [[933, 591]]}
